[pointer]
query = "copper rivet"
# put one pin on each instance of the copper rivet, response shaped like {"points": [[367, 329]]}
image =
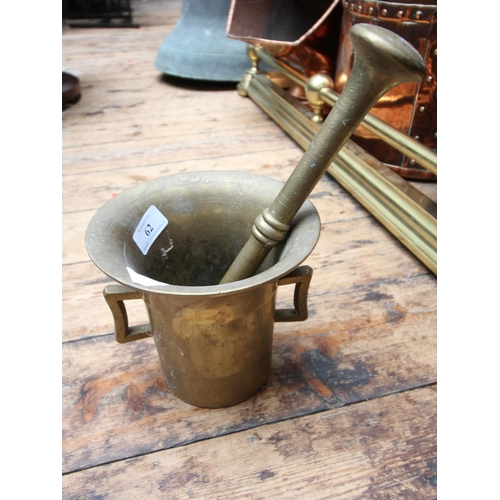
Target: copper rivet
{"points": [[400, 13], [419, 14], [412, 162], [435, 52], [384, 12], [360, 8], [421, 109], [417, 137]]}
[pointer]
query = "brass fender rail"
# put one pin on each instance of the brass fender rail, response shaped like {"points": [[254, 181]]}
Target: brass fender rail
{"points": [[420, 153], [407, 213]]}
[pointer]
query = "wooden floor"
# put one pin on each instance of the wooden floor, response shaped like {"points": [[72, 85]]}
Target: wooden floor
{"points": [[350, 408]]}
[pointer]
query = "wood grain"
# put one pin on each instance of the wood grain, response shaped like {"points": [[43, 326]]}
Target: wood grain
{"points": [[384, 448], [123, 407]]}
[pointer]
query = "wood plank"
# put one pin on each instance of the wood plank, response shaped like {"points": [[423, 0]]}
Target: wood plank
{"points": [[164, 104], [119, 122], [90, 190], [145, 152], [385, 448], [428, 188], [121, 406]]}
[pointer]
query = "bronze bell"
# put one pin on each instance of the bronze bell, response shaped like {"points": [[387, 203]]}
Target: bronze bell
{"points": [[199, 48]]}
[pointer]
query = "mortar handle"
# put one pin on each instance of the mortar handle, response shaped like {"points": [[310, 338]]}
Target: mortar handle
{"points": [[115, 295], [301, 277]]}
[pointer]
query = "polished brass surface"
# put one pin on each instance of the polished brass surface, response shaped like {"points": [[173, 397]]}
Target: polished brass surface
{"points": [[382, 60], [214, 341], [406, 212], [321, 92]]}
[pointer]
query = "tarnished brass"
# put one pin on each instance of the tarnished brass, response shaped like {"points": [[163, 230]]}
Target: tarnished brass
{"points": [[382, 60], [214, 341]]}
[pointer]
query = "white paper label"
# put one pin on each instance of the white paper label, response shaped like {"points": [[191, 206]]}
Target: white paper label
{"points": [[153, 222], [143, 280]]}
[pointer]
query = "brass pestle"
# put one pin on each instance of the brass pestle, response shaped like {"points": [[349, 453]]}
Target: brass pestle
{"points": [[382, 60]]}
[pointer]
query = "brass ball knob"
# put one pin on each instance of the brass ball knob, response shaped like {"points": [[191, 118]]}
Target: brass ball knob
{"points": [[252, 55], [314, 86], [313, 93]]}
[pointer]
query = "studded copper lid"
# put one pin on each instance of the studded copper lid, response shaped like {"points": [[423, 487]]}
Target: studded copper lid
{"points": [[391, 10]]}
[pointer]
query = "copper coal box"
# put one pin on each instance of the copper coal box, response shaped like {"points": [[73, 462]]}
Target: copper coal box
{"points": [[313, 36]]}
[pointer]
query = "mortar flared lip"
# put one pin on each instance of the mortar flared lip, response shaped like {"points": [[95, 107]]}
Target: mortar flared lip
{"points": [[95, 240]]}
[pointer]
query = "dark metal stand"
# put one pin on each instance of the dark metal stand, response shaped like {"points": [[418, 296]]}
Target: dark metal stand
{"points": [[105, 13]]}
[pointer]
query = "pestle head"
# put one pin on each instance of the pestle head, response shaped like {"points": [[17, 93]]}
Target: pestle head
{"points": [[382, 48]]}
